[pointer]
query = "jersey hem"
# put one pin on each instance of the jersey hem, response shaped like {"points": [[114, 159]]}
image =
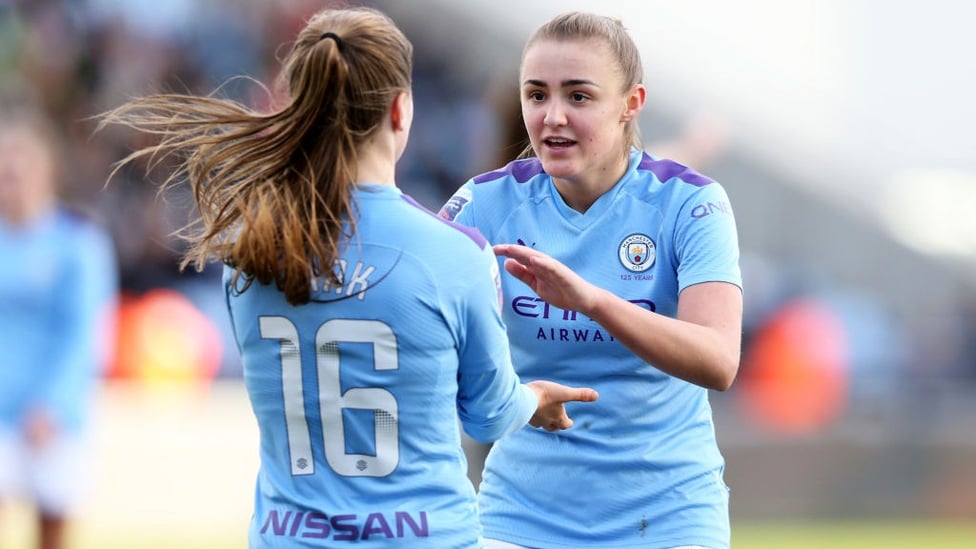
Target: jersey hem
{"points": [[663, 544]]}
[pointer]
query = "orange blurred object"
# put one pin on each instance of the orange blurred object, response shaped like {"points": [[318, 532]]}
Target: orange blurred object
{"points": [[162, 336], [795, 373]]}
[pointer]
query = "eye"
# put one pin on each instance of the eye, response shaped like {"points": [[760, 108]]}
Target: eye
{"points": [[535, 95], [578, 97]]}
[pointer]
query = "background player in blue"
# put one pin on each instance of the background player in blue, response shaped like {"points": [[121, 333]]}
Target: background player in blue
{"points": [[624, 277], [58, 288], [366, 324]]}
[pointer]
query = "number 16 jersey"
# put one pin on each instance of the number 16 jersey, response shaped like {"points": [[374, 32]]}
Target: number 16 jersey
{"points": [[357, 394]]}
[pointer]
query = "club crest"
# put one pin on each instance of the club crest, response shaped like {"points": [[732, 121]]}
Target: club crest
{"points": [[637, 253]]}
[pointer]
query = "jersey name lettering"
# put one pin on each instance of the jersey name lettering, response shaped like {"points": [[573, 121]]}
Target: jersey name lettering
{"points": [[355, 283]]}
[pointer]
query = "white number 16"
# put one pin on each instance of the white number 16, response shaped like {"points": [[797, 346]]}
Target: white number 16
{"points": [[332, 401]]}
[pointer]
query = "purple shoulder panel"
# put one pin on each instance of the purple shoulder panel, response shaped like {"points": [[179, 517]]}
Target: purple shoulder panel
{"points": [[522, 170], [666, 170]]}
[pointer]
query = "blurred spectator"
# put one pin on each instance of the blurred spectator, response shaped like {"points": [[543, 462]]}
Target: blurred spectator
{"points": [[57, 293]]}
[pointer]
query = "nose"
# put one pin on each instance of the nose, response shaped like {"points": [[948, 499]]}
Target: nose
{"points": [[555, 114]]}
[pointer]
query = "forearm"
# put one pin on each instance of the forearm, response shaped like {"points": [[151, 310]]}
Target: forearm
{"points": [[696, 353]]}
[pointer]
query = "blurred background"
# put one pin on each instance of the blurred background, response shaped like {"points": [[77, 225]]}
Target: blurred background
{"points": [[842, 131]]}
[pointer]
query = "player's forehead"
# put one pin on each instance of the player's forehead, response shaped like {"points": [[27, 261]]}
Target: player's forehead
{"points": [[552, 61]]}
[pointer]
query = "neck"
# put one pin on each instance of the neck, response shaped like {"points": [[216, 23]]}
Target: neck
{"points": [[377, 163], [581, 192], [24, 214]]}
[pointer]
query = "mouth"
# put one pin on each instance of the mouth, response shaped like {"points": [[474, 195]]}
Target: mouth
{"points": [[558, 142]]}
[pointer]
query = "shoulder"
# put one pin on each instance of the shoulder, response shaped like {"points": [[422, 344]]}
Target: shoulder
{"points": [[444, 228], [666, 181], [518, 171], [666, 171], [498, 190], [452, 254], [81, 223]]}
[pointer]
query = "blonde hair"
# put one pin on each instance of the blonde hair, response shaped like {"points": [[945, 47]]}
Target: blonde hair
{"points": [[585, 26], [273, 190]]}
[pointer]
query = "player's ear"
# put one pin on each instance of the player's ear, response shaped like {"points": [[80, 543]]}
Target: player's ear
{"points": [[401, 111], [634, 102]]}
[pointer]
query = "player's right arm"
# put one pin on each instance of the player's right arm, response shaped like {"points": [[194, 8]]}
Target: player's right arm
{"points": [[492, 400]]}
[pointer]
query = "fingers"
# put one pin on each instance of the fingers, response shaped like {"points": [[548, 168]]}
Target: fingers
{"points": [[555, 424], [586, 395], [529, 265], [562, 424], [551, 414], [516, 269], [509, 250], [554, 392], [582, 394], [553, 419], [522, 254]]}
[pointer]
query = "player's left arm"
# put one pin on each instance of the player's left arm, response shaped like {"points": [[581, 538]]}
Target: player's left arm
{"points": [[701, 345]]}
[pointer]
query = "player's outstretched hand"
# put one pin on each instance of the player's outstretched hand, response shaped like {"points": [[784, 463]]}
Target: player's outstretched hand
{"points": [[551, 280], [551, 413]]}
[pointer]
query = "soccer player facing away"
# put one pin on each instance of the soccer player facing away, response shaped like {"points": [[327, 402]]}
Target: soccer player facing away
{"points": [[622, 274], [367, 325], [58, 291]]}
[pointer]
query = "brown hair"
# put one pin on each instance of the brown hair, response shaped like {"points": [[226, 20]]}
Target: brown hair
{"points": [[273, 190], [584, 26]]}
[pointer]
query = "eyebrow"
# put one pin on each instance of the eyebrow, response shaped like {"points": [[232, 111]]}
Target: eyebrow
{"points": [[565, 83]]}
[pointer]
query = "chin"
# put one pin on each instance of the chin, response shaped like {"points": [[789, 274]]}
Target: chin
{"points": [[559, 167]]}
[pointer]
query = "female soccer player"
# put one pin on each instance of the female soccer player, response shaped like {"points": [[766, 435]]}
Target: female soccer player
{"points": [[58, 290], [624, 276], [366, 324]]}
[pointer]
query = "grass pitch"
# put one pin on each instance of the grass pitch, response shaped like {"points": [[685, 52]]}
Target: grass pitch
{"points": [[855, 535]]}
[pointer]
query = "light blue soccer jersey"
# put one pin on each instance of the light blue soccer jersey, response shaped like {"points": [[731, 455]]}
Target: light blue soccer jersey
{"points": [[58, 288], [640, 467], [357, 394]]}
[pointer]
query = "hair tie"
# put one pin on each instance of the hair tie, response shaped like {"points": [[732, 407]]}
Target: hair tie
{"points": [[333, 36]]}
